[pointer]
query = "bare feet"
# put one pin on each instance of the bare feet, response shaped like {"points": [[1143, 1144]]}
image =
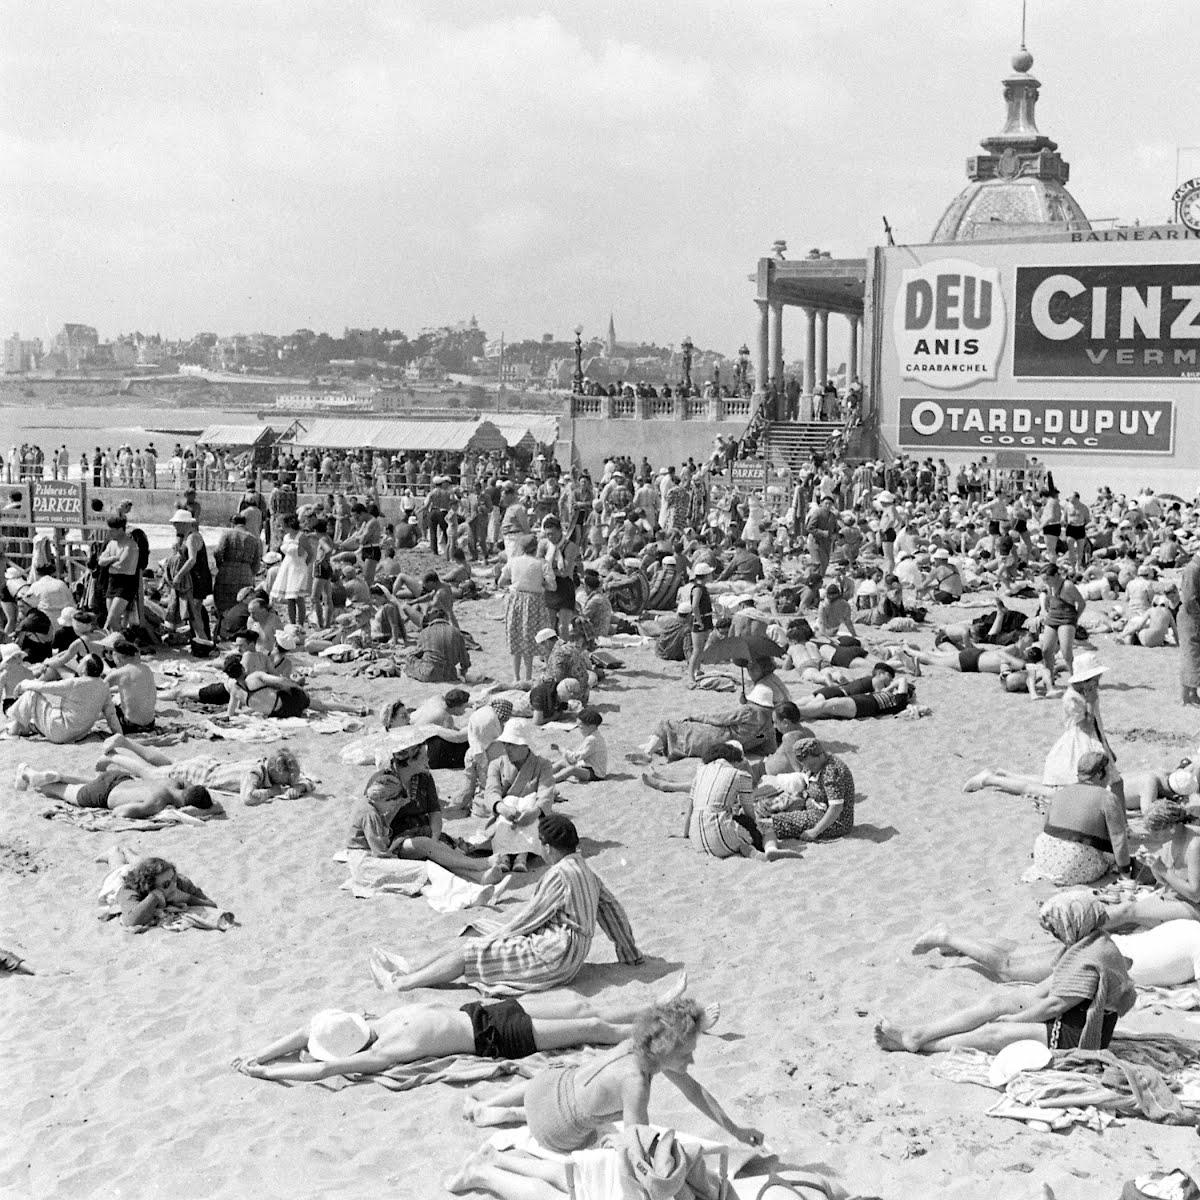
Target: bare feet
{"points": [[468, 1179], [710, 1016], [773, 852], [493, 874], [21, 781], [891, 1037], [675, 991], [976, 783], [933, 939], [639, 758], [650, 780]]}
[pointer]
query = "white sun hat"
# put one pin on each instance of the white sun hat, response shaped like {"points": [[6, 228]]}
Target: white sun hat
{"points": [[333, 1034], [1016, 1057]]}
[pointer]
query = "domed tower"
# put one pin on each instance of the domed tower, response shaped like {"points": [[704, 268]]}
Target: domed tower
{"points": [[1019, 184]]}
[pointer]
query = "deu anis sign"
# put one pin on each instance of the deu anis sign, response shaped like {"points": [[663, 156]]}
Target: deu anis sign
{"points": [[949, 323]]}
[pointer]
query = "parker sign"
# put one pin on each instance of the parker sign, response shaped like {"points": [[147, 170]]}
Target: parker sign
{"points": [[57, 502], [1125, 426], [1116, 321], [948, 323]]}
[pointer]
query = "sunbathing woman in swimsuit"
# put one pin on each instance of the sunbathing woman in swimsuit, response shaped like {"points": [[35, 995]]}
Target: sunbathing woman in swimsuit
{"points": [[564, 1107], [344, 1043], [262, 693], [1079, 1005]]}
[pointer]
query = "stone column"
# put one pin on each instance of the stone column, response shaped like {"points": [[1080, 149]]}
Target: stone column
{"points": [[762, 366], [810, 350], [776, 342], [822, 367], [852, 360]]}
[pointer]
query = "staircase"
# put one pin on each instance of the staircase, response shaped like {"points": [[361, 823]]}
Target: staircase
{"points": [[792, 443]]}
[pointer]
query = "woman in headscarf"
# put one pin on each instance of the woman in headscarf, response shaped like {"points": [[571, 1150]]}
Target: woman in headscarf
{"points": [[1079, 1005]]}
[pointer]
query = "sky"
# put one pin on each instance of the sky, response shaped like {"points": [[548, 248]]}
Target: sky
{"points": [[236, 166]]}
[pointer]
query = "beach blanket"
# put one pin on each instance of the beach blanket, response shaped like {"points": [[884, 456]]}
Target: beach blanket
{"points": [[100, 820], [1185, 997], [443, 891], [715, 683], [1155, 1077], [174, 920], [463, 1068]]}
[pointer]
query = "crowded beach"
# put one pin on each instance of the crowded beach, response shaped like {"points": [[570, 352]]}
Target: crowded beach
{"points": [[882, 797]]}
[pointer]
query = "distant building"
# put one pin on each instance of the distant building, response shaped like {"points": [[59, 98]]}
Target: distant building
{"points": [[76, 344], [21, 356]]}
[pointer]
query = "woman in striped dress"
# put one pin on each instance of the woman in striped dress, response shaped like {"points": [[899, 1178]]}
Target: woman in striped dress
{"points": [[720, 812], [542, 945]]}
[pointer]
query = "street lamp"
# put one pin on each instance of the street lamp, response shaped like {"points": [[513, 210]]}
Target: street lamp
{"points": [[687, 348], [716, 379], [577, 379]]}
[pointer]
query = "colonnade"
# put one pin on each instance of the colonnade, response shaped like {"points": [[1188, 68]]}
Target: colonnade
{"points": [[768, 363]]}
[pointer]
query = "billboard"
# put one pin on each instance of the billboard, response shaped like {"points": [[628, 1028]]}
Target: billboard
{"points": [[1087, 347], [57, 502]]}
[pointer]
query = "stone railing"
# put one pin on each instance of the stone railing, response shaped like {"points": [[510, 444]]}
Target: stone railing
{"points": [[661, 408]]}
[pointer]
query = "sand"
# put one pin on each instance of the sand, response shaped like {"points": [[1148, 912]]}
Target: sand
{"points": [[116, 1054]]}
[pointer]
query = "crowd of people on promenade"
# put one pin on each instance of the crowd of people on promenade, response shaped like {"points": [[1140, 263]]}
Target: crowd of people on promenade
{"points": [[812, 594]]}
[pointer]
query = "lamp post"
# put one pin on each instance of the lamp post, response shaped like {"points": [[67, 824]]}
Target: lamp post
{"points": [[577, 378], [743, 368], [687, 348], [716, 379]]}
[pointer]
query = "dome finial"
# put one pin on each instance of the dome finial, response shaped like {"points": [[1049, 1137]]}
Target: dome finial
{"points": [[1022, 61]]}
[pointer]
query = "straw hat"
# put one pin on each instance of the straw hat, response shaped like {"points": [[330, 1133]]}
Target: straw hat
{"points": [[941, 555], [703, 568], [1087, 666], [182, 517], [886, 497], [333, 1035], [271, 558], [67, 616], [13, 573], [409, 737]]}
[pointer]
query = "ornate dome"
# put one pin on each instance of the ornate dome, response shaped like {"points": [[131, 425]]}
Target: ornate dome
{"points": [[1019, 184]]}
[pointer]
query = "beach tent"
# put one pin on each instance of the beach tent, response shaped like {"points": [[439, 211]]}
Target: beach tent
{"points": [[236, 437], [527, 431], [334, 434]]}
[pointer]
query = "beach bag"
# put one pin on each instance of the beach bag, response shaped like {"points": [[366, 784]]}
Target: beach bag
{"points": [[661, 1169], [1176, 1185]]}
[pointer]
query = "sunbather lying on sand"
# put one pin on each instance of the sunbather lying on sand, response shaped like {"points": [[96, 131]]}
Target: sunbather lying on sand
{"points": [[255, 780], [1164, 956], [344, 1043], [150, 886], [117, 792], [1079, 1005]]}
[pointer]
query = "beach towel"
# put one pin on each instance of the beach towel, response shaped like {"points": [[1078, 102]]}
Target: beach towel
{"points": [[1185, 997], [463, 1068], [715, 683], [174, 920], [443, 891], [1155, 1077], [99, 820]]}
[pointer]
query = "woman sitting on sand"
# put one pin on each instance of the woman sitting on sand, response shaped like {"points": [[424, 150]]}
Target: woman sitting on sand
{"points": [[564, 1106], [719, 818], [151, 886], [827, 810], [750, 724], [1079, 1005], [1086, 833], [542, 944], [344, 1043], [1084, 731]]}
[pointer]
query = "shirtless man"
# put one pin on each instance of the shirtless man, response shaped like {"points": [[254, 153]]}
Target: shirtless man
{"points": [[133, 683], [504, 1029], [115, 791]]}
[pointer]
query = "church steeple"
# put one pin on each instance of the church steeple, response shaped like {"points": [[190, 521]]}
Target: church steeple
{"points": [[610, 343]]}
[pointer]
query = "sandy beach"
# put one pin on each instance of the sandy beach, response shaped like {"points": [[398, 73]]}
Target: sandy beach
{"points": [[117, 1051]]}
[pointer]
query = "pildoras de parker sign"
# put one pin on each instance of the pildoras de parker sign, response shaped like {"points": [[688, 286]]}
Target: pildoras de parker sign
{"points": [[1116, 321], [1128, 426], [949, 323], [57, 502]]}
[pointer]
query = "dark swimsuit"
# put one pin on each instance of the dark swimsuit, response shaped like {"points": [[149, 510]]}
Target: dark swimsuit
{"points": [[290, 700], [1064, 1032], [501, 1030]]}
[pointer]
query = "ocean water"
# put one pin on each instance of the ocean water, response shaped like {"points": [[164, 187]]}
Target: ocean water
{"points": [[85, 428]]}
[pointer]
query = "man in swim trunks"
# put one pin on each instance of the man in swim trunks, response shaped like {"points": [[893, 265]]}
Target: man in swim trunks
{"points": [[115, 791], [506, 1029], [133, 684]]}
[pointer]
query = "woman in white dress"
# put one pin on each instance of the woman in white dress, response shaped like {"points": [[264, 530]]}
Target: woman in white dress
{"points": [[293, 580]]}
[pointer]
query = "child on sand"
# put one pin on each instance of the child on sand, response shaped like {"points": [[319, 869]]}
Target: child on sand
{"points": [[589, 761]]}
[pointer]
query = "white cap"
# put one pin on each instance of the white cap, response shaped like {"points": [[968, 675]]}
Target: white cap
{"points": [[545, 635], [762, 695]]}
